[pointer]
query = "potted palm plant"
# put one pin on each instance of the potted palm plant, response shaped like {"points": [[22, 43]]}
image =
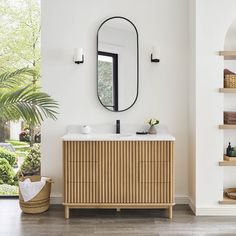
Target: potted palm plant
{"points": [[23, 101]]}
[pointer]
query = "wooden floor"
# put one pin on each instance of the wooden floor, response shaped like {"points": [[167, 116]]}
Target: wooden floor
{"points": [[110, 222]]}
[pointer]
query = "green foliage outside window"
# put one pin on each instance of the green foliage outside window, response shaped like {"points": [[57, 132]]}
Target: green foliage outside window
{"points": [[6, 172], [8, 155], [31, 164], [105, 82]]}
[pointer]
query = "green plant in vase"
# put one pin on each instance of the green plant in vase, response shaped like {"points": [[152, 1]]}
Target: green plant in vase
{"points": [[152, 122]]}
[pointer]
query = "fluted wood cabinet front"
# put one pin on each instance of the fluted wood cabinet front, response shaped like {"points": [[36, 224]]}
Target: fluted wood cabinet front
{"points": [[118, 174]]}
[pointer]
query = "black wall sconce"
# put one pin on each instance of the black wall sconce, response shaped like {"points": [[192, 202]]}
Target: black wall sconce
{"points": [[79, 56], [154, 55]]}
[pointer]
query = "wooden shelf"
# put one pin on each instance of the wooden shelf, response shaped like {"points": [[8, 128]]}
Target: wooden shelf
{"points": [[227, 200], [227, 163], [227, 126], [227, 90], [228, 55]]}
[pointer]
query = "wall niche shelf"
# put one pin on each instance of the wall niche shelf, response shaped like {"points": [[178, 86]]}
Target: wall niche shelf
{"points": [[228, 55], [227, 126], [227, 90], [227, 161]]}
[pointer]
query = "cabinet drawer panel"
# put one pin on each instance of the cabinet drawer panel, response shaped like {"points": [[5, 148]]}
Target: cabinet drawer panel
{"points": [[82, 172], [80, 168], [155, 193], [81, 192], [81, 151], [154, 151], [117, 172], [154, 172]]}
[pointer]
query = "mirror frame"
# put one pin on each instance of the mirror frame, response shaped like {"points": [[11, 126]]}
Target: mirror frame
{"points": [[120, 17]]}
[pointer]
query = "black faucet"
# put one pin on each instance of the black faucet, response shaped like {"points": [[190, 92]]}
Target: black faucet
{"points": [[118, 126]]}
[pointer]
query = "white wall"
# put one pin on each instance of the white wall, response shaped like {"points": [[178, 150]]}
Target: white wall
{"points": [[192, 103], [163, 87], [213, 18]]}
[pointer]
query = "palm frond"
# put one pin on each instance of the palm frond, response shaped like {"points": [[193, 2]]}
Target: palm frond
{"points": [[30, 104], [11, 79]]}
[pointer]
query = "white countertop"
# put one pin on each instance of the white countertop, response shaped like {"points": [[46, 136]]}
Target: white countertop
{"points": [[117, 137]]}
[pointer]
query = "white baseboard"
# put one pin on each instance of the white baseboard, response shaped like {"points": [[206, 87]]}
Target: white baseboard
{"points": [[216, 210], [56, 199], [181, 199], [192, 205]]}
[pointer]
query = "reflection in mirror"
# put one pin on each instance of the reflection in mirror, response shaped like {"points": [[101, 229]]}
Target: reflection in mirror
{"points": [[108, 79], [117, 64]]}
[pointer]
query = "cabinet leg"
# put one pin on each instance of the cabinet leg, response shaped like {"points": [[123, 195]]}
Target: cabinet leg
{"points": [[170, 212], [118, 209], [67, 212]]}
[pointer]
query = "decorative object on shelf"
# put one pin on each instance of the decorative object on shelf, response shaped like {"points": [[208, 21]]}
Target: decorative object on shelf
{"points": [[230, 118], [79, 56], [229, 79], [228, 72], [229, 150], [154, 55], [230, 193], [152, 129], [85, 129], [233, 153]]}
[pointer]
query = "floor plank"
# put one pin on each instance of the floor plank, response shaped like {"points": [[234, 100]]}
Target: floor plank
{"points": [[109, 222]]}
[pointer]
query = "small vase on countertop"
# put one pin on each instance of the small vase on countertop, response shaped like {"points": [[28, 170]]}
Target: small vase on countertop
{"points": [[85, 129], [152, 130]]}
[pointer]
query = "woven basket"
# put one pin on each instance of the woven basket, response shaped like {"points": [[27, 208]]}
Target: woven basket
{"points": [[230, 81], [230, 193], [40, 203]]}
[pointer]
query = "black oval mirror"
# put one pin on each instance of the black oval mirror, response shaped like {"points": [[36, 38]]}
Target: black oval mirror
{"points": [[117, 64]]}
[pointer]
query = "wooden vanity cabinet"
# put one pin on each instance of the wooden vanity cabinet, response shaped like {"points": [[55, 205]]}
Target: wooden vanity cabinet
{"points": [[118, 174]]}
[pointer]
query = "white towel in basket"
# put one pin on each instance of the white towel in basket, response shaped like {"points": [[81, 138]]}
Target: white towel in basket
{"points": [[30, 189]]}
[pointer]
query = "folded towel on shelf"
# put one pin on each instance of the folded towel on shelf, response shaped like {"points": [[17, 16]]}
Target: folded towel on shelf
{"points": [[30, 189]]}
